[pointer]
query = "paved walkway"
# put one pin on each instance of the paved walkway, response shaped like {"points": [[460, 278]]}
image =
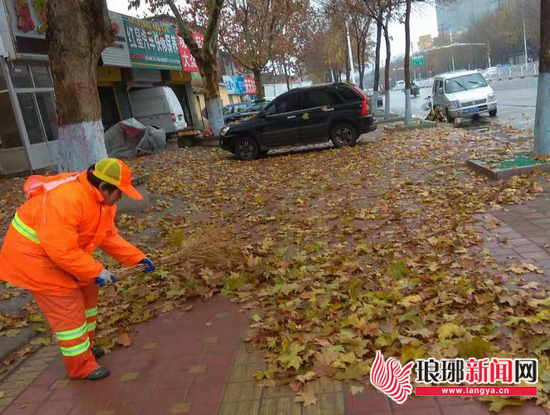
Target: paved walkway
{"points": [[196, 362], [178, 364], [521, 233]]}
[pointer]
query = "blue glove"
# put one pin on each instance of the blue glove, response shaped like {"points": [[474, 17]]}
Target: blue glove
{"points": [[149, 266], [105, 277]]}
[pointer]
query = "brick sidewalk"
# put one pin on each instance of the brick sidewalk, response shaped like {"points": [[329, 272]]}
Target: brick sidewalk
{"points": [[177, 364], [522, 233]]}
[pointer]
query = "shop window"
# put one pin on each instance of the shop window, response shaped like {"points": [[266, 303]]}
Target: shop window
{"points": [[20, 75], [46, 105], [9, 133], [31, 118], [41, 75]]}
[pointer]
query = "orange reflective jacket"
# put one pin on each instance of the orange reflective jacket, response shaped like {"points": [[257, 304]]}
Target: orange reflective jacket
{"points": [[48, 245]]}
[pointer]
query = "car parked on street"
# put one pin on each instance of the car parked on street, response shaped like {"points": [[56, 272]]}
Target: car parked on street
{"points": [[250, 110], [230, 110], [463, 94], [336, 112]]}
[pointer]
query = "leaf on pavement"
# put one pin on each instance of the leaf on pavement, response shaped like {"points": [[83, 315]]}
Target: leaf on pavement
{"points": [[295, 386], [356, 389], [307, 376], [448, 330], [477, 348], [308, 398], [124, 340], [497, 402]]}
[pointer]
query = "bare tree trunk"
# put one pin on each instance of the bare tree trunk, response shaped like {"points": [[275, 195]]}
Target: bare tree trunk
{"points": [[387, 84], [408, 115], [206, 60], [76, 34], [348, 69], [209, 73], [542, 116], [377, 66], [258, 81], [362, 64], [359, 61], [286, 76]]}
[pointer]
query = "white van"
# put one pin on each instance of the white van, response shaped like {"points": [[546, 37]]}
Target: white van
{"points": [[464, 94], [399, 85], [158, 107]]}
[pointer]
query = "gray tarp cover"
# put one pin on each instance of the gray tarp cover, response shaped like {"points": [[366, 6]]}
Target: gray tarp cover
{"points": [[129, 138]]}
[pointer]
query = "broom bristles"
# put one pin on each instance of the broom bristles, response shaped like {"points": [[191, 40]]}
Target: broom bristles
{"points": [[210, 248]]}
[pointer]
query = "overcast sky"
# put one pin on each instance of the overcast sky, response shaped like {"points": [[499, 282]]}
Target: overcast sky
{"points": [[423, 22]]}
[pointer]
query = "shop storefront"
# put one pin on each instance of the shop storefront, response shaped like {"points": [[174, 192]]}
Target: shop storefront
{"points": [[145, 54], [29, 93]]}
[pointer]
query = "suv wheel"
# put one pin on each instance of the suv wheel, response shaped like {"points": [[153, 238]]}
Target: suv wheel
{"points": [[246, 148], [343, 135], [493, 113], [450, 119]]}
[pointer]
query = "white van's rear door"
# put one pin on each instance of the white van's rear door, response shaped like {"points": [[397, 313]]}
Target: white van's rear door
{"points": [[176, 109]]}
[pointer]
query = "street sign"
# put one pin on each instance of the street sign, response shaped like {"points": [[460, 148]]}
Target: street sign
{"points": [[418, 60]]}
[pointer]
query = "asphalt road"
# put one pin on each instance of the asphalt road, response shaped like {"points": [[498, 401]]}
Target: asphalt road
{"points": [[516, 102]]}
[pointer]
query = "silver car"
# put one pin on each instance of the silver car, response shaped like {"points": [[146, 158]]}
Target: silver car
{"points": [[463, 94]]}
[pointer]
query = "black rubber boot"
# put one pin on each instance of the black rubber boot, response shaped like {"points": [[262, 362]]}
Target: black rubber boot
{"points": [[100, 372], [97, 352]]}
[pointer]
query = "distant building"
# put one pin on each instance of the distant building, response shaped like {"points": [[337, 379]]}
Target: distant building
{"points": [[460, 15], [425, 42]]}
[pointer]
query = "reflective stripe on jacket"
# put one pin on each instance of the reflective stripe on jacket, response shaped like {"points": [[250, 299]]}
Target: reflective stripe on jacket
{"points": [[49, 243]]}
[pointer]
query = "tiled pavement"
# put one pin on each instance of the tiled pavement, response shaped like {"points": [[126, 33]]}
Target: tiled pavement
{"points": [[521, 233], [196, 363], [178, 364]]}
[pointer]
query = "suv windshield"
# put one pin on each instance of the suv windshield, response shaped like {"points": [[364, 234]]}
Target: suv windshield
{"points": [[465, 83]]}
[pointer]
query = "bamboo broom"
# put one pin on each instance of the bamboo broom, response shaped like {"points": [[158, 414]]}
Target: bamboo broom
{"points": [[210, 248]]}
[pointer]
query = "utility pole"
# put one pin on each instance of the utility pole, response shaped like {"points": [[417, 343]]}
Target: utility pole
{"points": [[452, 49], [542, 114], [351, 68], [524, 33]]}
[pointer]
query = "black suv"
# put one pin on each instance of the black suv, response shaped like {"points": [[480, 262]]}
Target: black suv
{"points": [[337, 112]]}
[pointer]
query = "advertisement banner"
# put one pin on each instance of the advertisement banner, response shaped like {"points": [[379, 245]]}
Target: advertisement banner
{"points": [[117, 55], [188, 62], [152, 45], [235, 85], [250, 86]]}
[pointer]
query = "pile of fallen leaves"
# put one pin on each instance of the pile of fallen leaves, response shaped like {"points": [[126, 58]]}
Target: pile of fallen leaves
{"points": [[194, 266], [436, 114]]}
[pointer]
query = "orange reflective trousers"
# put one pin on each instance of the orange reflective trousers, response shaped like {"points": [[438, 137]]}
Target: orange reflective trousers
{"points": [[72, 318]]}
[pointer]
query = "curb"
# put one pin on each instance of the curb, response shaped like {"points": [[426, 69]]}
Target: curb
{"points": [[500, 174], [419, 126], [389, 120]]}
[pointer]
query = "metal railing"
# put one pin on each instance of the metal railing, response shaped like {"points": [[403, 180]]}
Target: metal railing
{"points": [[503, 72]]}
